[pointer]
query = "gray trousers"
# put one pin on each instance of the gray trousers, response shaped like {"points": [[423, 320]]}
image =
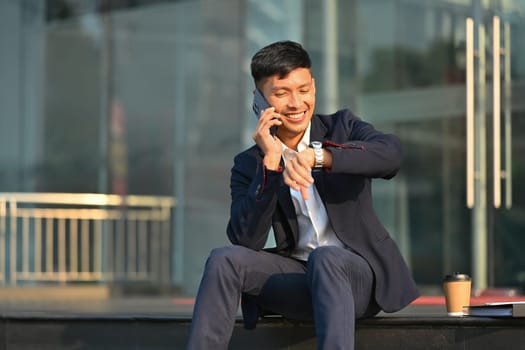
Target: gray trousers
{"points": [[333, 288]]}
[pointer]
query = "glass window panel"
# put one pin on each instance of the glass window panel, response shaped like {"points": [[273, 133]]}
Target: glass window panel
{"points": [[154, 97]]}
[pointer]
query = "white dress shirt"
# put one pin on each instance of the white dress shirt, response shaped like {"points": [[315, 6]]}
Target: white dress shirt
{"points": [[315, 229]]}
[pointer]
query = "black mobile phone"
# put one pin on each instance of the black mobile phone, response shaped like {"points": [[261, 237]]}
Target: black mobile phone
{"points": [[259, 105]]}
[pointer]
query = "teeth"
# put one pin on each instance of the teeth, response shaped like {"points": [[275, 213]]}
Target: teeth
{"points": [[295, 116]]}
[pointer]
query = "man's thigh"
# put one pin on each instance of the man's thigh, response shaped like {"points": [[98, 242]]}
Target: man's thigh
{"points": [[255, 267], [274, 282]]}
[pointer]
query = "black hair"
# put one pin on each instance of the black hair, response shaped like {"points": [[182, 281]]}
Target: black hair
{"points": [[278, 58]]}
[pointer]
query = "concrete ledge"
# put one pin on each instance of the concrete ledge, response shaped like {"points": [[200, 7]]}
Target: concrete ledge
{"points": [[413, 333], [84, 331]]}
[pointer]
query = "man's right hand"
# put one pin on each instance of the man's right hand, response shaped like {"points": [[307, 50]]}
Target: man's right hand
{"points": [[269, 144]]}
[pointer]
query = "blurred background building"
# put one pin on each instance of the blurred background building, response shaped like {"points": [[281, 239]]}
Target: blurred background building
{"points": [[150, 101]]}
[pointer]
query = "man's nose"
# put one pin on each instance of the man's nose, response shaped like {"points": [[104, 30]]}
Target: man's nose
{"points": [[295, 100]]}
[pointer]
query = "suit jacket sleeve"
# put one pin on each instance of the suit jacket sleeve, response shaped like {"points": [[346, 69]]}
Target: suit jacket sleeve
{"points": [[254, 197], [361, 149]]}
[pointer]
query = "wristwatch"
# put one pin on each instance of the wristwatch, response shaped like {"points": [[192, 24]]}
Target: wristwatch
{"points": [[318, 154]]}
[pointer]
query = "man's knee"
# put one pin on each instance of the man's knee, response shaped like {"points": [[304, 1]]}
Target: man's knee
{"points": [[326, 254], [226, 256]]}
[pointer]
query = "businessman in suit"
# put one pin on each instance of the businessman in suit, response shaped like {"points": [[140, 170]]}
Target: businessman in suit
{"points": [[333, 262]]}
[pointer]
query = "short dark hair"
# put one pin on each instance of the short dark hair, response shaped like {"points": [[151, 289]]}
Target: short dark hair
{"points": [[280, 58]]}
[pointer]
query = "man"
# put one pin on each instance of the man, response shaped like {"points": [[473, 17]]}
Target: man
{"points": [[333, 262]]}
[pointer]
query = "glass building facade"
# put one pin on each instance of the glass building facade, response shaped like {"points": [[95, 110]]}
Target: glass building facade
{"points": [[154, 98]]}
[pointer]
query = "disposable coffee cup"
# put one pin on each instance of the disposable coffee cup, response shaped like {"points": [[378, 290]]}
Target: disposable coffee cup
{"points": [[457, 293]]}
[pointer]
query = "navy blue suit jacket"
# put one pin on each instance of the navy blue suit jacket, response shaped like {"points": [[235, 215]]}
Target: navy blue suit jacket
{"points": [[260, 199]]}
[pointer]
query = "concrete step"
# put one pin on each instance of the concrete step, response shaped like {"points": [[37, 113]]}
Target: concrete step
{"points": [[33, 330]]}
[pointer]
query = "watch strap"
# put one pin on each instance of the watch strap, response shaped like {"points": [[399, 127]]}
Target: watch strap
{"points": [[318, 154]]}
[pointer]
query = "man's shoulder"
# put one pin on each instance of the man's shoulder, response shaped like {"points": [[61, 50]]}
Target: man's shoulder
{"points": [[253, 152], [250, 151], [326, 123], [340, 115]]}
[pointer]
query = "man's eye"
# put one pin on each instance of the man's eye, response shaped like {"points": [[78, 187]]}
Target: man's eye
{"points": [[304, 91], [279, 94]]}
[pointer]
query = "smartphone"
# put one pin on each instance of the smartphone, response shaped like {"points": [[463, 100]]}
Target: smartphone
{"points": [[259, 105]]}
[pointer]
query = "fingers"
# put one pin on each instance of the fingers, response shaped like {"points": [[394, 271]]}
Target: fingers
{"points": [[262, 136], [298, 171], [304, 193], [267, 119], [303, 189], [297, 175]]}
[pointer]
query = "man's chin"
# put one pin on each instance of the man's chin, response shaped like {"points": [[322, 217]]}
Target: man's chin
{"points": [[291, 131]]}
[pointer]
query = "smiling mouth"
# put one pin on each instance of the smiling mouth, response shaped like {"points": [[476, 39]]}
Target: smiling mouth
{"points": [[295, 116]]}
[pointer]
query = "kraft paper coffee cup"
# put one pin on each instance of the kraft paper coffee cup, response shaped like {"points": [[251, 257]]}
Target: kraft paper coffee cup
{"points": [[457, 293]]}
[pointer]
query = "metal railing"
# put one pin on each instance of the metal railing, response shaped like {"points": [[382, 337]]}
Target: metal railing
{"points": [[77, 237]]}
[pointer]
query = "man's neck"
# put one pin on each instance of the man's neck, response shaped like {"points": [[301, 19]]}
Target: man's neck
{"points": [[291, 141]]}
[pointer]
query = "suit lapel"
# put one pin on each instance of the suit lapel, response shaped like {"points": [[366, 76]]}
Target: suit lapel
{"points": [[317, 129], [285, 200]]}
